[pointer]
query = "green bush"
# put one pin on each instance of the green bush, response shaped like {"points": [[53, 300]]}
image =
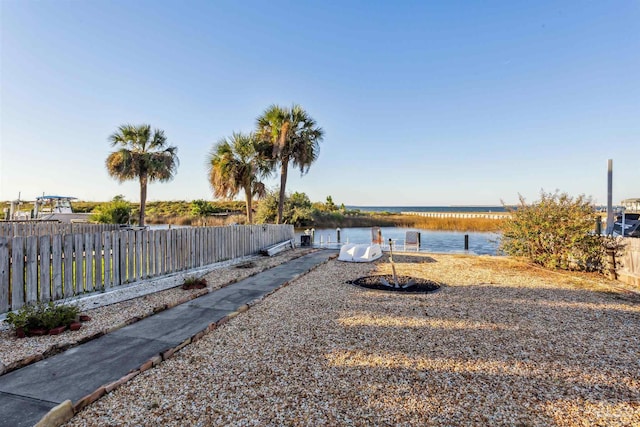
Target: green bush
{"points": [[42, 316], [117, 211], [556, 232], [297, 209], [201, 208]]}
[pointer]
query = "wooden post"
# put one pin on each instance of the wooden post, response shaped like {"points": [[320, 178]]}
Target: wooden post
{"points": [[611, 253], [466, 242]]}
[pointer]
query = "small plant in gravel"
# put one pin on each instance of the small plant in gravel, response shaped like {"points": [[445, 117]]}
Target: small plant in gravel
{"points": [[42, 317], [194, 283]]}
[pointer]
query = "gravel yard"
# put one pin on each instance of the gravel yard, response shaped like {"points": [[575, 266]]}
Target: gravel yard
{"points": [[18, 352], [501, 343]]}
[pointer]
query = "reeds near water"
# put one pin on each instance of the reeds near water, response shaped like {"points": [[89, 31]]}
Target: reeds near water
{"points": [[333, 221], [449, 224], [412, 221]]}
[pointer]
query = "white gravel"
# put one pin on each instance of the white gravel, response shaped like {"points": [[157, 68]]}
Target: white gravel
{"points": [[501, 343], [114, 309]]}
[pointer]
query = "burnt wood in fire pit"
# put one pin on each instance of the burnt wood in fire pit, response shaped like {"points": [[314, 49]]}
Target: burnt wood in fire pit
{"points": [[420, 286]]}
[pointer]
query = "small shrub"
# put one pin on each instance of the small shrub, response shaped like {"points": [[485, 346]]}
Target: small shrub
{"points": [[194, 283], [556, 232], [118, 211], [42, 316]]}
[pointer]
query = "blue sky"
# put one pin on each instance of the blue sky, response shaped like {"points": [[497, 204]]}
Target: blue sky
{"points": [[422, 103]]}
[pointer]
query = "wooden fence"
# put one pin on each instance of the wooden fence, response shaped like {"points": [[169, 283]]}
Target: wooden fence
{"points": [[42, 228], [52, 267], [628, 265], [487, 215]]}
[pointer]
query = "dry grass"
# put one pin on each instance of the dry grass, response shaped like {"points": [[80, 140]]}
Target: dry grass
{"points": [[412, 221], [500, 344], [453, 224]]}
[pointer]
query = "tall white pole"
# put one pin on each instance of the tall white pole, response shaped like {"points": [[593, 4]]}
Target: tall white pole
{"points": [[609, 230]]}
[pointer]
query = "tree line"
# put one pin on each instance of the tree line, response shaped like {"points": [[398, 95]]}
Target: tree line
{"points": [[282, 136]]}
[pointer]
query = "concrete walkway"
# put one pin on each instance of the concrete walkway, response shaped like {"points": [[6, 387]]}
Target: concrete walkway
{"points": [[29, 393]]}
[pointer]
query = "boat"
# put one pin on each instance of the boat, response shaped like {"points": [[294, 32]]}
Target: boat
{"points": [[360, 252], [47, 208]]}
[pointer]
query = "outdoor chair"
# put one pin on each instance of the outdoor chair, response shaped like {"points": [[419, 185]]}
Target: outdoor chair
{"points": [[376, 235], [412, 240]]}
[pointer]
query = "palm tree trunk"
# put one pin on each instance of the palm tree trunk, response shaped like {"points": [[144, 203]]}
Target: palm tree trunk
{"points": [[143, 199], [248, 196], [283, 184]]}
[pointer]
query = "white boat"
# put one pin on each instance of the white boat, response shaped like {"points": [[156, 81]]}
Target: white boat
{"points": [[352, 252], [48, 208]]}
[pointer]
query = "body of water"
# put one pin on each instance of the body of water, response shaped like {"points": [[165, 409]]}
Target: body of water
{"points": [[431, 241]]}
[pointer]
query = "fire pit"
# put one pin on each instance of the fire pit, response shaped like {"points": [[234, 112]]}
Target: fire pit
{"points": [[406, 284]]}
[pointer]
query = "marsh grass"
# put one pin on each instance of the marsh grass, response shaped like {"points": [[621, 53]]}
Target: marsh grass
{"points": [[411, 221]]}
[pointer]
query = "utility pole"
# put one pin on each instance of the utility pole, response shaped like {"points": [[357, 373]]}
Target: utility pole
{"points": [[609, 230]]}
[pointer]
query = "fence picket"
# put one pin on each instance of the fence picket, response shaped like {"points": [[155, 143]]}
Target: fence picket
{"points": [[17, 272], [56, 267], [98, 259], [78, 261], [4, 274], [45, 267], [124, 240], [144, 272], [88, 259], [31, 282], [162, 251], [138, 255], [131, 256], [109, 265]]}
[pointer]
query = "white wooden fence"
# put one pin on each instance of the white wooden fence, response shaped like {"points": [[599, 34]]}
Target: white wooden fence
{"points": [[41, 228], [52, 267], [486, 215]]}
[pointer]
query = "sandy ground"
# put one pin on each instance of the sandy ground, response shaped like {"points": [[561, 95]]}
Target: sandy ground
{"points": [[501, 343]]}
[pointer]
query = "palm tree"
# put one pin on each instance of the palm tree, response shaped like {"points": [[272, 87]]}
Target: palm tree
{"points": [[294, 137], [237, 164], [144, 155]]}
